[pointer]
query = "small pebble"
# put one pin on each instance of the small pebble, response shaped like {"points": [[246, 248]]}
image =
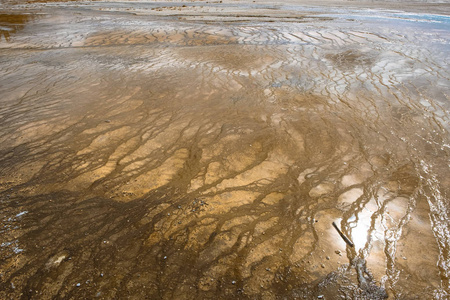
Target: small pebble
{"points": [[328, 258], [78, 284], [233, 282]]}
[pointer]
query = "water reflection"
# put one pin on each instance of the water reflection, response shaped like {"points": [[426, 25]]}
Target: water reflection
{"points": [[163, 158], [11, 23]]}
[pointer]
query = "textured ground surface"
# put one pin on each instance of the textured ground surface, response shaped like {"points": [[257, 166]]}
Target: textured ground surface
{"points": [[189, 150]]}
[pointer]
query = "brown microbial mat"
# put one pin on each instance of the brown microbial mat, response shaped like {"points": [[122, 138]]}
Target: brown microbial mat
{"points": [[203, 150]]}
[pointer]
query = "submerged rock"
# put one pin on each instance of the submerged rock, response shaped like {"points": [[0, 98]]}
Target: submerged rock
{"points": [[57, 259]]}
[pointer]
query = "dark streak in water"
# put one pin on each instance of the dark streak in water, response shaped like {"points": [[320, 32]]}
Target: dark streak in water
{"points": [[146, 156], [346, 239]]}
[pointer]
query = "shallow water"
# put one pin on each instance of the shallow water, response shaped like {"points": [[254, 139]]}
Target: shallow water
{"points": [[161, 151]]}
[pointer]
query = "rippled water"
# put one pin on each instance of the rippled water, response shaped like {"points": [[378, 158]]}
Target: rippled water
{"points": [[161, 151]]}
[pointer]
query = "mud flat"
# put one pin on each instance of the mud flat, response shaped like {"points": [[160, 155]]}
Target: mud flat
{"points": [[203, 149]]}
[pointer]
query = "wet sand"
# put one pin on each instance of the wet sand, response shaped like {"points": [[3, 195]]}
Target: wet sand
{"points": [[203, 149]]}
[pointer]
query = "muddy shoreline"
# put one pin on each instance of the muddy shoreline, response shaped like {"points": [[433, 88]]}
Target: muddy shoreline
{"points": [[196, 150]]}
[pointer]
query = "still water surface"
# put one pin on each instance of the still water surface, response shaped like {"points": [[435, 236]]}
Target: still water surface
{"points": [[161, 151]]}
